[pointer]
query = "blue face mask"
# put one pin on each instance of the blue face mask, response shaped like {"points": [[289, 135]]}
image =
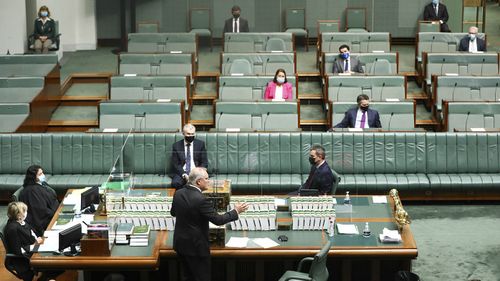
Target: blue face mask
{"points": [[344, 55], [435, 2], [44, 13], [42, 179]]}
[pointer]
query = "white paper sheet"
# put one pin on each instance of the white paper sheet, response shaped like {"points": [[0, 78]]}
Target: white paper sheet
{"points": [[347, 228], [50, 242], [379, 199], [110, 130], [265, 242], [237, 242]]}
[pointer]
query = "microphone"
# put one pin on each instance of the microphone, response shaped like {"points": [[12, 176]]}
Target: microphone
{"points": [[142, 116], [368, 45], [265, 66], [442, 67], [382, 91], [481, 69], [218, 121], [390, 120], [466, 121], [265, 120], [453, 92], [330, 44], [432, 43], [496, 89], [338, 91]]}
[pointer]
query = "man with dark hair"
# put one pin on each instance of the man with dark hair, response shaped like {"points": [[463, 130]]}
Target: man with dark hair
{"points": [[193, 211], [345, 63], [321, 179], [361, 116], [436, 11], [236, 24]]}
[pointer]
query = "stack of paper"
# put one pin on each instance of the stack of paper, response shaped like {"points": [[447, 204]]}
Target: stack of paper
{"points": [[390, 236], [140, 236], [123, 232], [379, 199], [245, 242], [347, 228]]}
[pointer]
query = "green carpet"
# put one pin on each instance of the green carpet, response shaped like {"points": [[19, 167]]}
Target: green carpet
{"points": [[88, 89], [75, 113]]}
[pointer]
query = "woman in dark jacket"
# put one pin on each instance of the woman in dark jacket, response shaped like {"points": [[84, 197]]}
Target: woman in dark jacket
{"points": [[45, 31], [41, 201]]}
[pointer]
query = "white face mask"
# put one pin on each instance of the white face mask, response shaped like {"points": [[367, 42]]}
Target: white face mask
{"points": [[41, 178], [280, 80], [472, 37]]}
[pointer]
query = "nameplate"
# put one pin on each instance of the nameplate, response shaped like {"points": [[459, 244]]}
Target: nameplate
{"points": [[110, 130], [391, 99], [478, 129], [345, 74], [278, 100], [355, 129], [237, 74], [378, 51], [451, 74], [276, 51], [176, 52], [129, 75], [233, 130], [163, 100]]}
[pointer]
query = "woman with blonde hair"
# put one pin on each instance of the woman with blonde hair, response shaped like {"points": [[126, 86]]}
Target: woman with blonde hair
{"points": [[45, 31]]}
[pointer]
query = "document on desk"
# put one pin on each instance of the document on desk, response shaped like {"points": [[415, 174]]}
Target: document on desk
{"points": [[347, 228], [50, 241], [237, 242], [379, 199], [265, 242]]}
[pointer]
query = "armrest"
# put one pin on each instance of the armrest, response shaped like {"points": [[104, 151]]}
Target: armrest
{"points": [[303, 261], [297, 278]]}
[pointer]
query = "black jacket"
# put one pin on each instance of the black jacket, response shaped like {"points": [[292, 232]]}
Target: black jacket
{"points": [[228, 25], [349, 120], [179, 157], [42, 204], [320, 178], [17, 236], [464, 44], [48, 29], [193, 211]]}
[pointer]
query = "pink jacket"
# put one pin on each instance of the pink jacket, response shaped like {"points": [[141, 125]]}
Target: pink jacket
{"points": [[271, 89]]}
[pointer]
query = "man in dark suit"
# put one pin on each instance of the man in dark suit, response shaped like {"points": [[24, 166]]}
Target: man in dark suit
{"points": [[193, 211], [471, 43], [186, 155], [436, 11], [361, 116], [345, 63], [236, 24], [321, 179]]}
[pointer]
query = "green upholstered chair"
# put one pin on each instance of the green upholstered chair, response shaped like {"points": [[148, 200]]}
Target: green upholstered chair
{"points": [[11, 259], [378, 88], [246, 88], [200, 23], [32, 65], [428, 26], [295, 23], [241, 66], [148, 27], [381, 67], [337, 180], [150, 87], [328, 26], [12, 116], [367, 42], [467, 115], [20, 89], [260, 63], [275, 44], [157, 64], [466, 88], [317, 270], [55, 44], [17, 193], [355, 20]]}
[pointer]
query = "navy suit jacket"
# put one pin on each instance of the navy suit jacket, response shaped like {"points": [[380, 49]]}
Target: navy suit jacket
{"points": [[179, 156], [356, 65], [349, 120], [464, 44], [321, 179], [193, 211]]}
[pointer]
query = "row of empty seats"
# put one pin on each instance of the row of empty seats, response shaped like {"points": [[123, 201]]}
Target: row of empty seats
{"points": [[373, 63]]}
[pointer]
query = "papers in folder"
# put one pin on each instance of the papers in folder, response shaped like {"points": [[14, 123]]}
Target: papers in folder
{"points": [[347, 228], [245, 242], [390, 236]]}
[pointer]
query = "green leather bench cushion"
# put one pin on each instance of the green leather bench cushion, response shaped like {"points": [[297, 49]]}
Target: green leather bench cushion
{"points": [[149, 88], [162, 42], [20, 89], [254, 42], [381, 183], [156, 64], [12, 115], [19, 151], [378, 88], [62, 182], [464, 182], [263, 183], [27, 65], [358, 42], [10, 183]]}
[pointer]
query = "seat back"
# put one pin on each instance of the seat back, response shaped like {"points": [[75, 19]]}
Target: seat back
{"points": [[318, 270], [393, 115], [381, 67], [328, 26], [366, 42], [246, 88], [295, 18], [256, 115], [15, 195], [150, 87], [275, 44], [162, 42], [466, 115], [12, 116], [481, 64], [156, 64], [439, 42], [148, 27], [466, 88], [378, 88], [428, 26], [355, 18], [20, 89], [27, 65], [260, 63], [367, 60], [199, 18], [141, 115]]}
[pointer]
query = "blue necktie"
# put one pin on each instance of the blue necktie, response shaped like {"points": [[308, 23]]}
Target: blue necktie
{"points": [[188, 158]]}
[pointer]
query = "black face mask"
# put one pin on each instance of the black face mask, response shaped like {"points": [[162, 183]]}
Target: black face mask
{"points": [[236, 16], [364, 108], [189, 139], [311, 160]]}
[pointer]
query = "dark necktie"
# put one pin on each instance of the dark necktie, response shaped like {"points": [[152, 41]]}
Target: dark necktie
{"points": [[235, 27], [346, 66], [188, 158], [436, 9], [363, 120]]}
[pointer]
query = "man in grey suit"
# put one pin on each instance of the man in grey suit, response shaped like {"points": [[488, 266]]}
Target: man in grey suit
{"points": [[236, 24], [345, 63]]}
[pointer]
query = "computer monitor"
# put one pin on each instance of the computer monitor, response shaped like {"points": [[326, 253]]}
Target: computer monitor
{"points": [[70, 237], [88, 198]]}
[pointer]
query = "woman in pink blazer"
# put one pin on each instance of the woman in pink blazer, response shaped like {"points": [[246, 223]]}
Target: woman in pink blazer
{"points": [[279, 88]]}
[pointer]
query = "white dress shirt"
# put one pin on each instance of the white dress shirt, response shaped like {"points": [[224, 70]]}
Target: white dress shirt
{"points": [[358, 119], [278, 94], [185, 154], [473, 46]]}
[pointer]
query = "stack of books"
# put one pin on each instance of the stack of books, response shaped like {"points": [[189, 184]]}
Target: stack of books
{"points": [[98, 229], [140, 235], [123, 232]]}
